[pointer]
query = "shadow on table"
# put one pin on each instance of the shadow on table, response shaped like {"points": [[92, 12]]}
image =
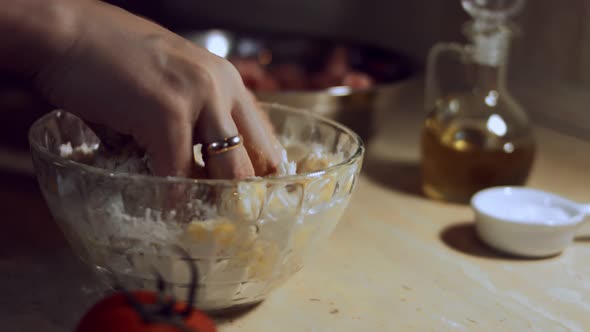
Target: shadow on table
{"points": [[228, 316], [46, 292], [402, 176], [462, 237], [582, 238], [43, 285]]}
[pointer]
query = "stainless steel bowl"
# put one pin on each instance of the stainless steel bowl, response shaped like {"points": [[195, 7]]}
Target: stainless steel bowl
{"points": [[351, 107]]}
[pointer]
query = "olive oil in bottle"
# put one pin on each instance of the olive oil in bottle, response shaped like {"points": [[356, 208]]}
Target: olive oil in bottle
{"points": [[466, 155]]}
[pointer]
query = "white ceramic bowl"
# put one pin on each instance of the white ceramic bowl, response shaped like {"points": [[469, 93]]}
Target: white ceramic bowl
{"points": [[526, 222]]}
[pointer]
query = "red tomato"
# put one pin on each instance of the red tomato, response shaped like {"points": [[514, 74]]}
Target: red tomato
{"points": [[357, 80], [116, 314]]}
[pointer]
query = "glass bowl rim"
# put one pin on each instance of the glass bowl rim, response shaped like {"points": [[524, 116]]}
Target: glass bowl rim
{"points": [[81, 167]]}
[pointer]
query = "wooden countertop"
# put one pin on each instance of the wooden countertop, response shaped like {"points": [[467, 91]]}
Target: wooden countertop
{"points": [[396, 262]]}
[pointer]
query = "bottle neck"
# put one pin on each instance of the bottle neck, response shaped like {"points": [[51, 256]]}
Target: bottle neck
{"points": [[489, 45], [486, 77], [489, 54]]}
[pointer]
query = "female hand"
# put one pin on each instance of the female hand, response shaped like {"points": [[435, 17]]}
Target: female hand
{"points": [[118, 70]]}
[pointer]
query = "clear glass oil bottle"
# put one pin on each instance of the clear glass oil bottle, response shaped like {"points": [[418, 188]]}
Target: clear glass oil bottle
{"points": [[475, 135]]}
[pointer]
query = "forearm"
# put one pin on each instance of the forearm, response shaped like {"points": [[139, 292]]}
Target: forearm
{"points": [[34, 32]]}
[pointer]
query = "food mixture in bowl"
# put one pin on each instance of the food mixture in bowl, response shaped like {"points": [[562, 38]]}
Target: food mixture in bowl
{"points": [[246, 237]]}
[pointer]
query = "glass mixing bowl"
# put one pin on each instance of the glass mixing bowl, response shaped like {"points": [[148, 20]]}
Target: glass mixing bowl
{"points": [[246, 237]]}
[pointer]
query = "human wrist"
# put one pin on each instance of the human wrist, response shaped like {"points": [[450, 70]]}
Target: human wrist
{"points": [[36, 32]]}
